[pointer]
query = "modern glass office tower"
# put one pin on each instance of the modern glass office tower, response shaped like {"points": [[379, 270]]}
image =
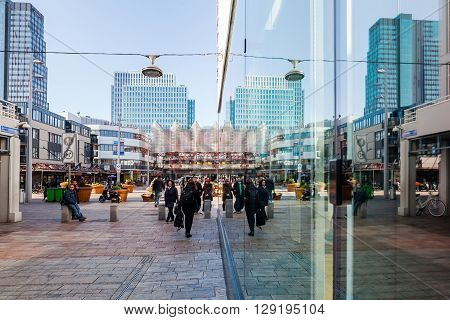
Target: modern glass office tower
{"points": [[267, 99], [408, 50], [140, 101], [191, 112], [22, 30]]}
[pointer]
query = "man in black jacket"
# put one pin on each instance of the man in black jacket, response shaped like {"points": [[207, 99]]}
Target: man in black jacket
{"points": [[70, 199], [158, 188], [188, 205], [198, 193], [252, 205]]}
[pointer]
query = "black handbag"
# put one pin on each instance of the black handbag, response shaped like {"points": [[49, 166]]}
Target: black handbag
{"points": [[260, 219], [179, 217]]}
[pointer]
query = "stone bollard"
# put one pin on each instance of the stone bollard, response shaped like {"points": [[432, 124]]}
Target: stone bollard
{"points": [[361, 212], [66, 217], [114, 213], [207, 209], [229, 208], [270, 209], [161, 212]]}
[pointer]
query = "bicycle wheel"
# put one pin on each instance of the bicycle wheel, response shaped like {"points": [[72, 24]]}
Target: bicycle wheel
{"points": [[436, 208]]}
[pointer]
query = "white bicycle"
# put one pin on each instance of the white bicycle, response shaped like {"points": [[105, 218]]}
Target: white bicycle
{"points": [[430, 204]]}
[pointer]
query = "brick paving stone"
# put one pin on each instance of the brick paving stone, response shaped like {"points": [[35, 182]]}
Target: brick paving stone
{"points": [[93, 260]]}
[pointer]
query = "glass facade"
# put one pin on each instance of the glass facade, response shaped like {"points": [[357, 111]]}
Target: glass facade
{"points": [[269, 100], [140, 101], [408, 51], [25, 42]]}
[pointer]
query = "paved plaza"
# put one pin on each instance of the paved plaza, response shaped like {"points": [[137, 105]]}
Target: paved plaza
{"points": [[140, 257]]}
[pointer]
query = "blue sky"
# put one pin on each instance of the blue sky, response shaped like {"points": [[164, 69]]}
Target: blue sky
{"points": [[189, 26]]}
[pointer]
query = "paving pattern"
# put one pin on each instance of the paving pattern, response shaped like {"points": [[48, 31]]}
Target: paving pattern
{"points": [[138, 257], [393, 257]]}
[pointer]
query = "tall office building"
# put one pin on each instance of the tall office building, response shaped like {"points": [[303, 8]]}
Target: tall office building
{"points": [[23, 55], [191, 112], [140, 101], [269, 100], [408, 50]]}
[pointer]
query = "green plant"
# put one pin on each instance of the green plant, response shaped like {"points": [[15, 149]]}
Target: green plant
{"points": [[291, 180], [117, 187], [368, 190]]}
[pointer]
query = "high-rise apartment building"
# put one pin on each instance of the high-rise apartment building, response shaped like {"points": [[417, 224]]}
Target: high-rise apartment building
{"points": [[22, 59], [140, 101], [269, 100], [408, 51]]}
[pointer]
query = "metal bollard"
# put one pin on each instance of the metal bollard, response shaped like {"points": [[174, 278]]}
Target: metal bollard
{"points": [[270, 209], [65, 214], [229, 208], [161, 212], [207, 209], [114, 213]]}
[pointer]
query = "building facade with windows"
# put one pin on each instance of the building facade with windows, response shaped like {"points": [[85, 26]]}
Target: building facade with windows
{"points": [[140, 101], [408, 51], [134, 150], [23, 59], [269, 100]]}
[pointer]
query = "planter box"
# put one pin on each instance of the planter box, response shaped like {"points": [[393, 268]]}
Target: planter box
{"points": [[147, 198], [84, 194], [276, 196], [291, 187], [123, 194], [97, 189], [129, 187], [299, 193]]}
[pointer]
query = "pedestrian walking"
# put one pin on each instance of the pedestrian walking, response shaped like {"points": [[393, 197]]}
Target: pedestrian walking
{"points": [[251, 205], [227, 192], [238, 190], [207, 192], [263, 194], [189, 205], [271, 186], [171, 197], [198, 193], [70, 200], [158, 188]]}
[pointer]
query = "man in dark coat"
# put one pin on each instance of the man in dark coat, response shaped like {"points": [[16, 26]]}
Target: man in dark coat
{"points": [[158, 188], [70, 199], [171, 197], [227, 192], [251, 205], [188, 205], [207, 191], [271, 186], [263, 193], [238, 190], [198, 193]]}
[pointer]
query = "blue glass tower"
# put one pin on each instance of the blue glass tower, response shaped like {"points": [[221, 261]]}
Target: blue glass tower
{"points": [[269, 100], [22, 41], [140, 101], [191, 112], [408, 50]]}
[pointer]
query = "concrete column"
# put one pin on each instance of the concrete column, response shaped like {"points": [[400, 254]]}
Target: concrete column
{"points": [[114, 213], [161, 212], [207, 210], [444, 175], [270, 210], [66, 217], [407, 181], [229, 208]]}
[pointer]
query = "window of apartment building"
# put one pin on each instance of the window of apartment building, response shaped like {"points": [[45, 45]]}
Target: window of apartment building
{"points": [[35, 143]]}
